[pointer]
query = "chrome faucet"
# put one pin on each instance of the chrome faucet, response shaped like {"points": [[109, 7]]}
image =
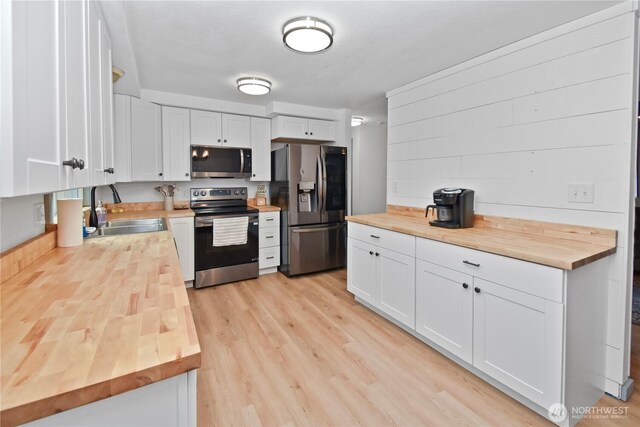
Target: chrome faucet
{"points": [[93, 218]]}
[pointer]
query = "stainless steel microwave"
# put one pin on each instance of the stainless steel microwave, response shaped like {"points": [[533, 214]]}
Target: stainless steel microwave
{"points": [[220, 162]]}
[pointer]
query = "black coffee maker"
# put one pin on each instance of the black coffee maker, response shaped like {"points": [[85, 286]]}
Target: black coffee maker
{"points": [[453, 208]]}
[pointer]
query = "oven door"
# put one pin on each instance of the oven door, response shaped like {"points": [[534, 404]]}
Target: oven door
{"points": [[209, 257]]}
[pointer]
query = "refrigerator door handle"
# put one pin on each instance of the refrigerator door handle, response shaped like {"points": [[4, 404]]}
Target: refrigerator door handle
{"points": [[317, 229], [324, 181], [320, 185]]}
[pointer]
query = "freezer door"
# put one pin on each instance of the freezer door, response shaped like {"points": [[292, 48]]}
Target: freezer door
{"points": [[334, 185], [317, 248]]}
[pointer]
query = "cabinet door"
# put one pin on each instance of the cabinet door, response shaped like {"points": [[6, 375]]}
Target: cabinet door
{"points": [[322, 130], [122, 137], [146, 143], [206, 128], [74, 61], [182, 229], [260, 149], [517, 339], [289, 127], [362, 278], [107, 103], [175, 144], [397, 274], [96, 134], [36, 144], [236, 131], [444, 308]]}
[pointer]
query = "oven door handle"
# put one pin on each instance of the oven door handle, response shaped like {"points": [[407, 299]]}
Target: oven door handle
{"points": [[208, 220]]}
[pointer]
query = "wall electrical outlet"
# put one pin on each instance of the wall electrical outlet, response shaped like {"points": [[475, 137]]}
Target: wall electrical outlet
{"points": [[38, 213], [394, 187], [580, 193]]}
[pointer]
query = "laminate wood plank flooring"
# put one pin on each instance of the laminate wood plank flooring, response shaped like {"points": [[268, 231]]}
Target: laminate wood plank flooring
{"points": [[301, 352]]}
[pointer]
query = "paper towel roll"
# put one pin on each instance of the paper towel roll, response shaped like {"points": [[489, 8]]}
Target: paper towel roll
{"points": [[69, 222]]}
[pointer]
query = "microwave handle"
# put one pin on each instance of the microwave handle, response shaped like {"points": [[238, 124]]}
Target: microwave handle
{"points": [[241, 160]]}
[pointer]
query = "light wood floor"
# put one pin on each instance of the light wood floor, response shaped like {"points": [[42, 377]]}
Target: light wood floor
{"points": [[279, 351]]}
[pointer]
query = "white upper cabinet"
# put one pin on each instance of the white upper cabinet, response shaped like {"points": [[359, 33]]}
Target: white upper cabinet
{"points": [[260, 149], [146, 141], [236, 131], [206, 128], [175, 144], [218, 129], [56, 80], [122, 137], [286, 128], [74, 84]]}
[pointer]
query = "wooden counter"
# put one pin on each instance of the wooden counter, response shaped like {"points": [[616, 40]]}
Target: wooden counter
{"points": [[93, 321], [176, 213], [266, 208], [555, 245]]}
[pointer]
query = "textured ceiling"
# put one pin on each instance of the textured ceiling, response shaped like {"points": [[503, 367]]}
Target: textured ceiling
{"points": [[201, 48]]}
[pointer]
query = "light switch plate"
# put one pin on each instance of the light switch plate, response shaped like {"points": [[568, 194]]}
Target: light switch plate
{"points": [[580, 193]]}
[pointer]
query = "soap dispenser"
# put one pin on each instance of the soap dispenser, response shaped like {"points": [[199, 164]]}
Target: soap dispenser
{"points": [[102, 214]]}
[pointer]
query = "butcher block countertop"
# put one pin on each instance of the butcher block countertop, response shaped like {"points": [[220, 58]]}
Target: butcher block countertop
{"points": [[88, 322], [264, 208], [176, 213], [555, 245]]}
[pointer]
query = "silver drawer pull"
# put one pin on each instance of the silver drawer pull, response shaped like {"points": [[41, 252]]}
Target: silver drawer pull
{"points": [[471, 263], [269, 257], [374, 236], [269, 219], [269, 237]]}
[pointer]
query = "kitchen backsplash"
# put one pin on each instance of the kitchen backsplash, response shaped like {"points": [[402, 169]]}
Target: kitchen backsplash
{"points": [[145, 192], [19, 220]]}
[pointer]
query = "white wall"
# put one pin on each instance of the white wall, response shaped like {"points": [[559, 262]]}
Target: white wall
{"points": [[520, 124], [369, 169], [18, 221]]}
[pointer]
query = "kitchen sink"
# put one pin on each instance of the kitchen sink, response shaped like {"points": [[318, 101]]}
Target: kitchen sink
{"points": [[131, 226], [133, 222]]}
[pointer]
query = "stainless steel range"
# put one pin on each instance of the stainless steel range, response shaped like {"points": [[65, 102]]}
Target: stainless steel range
{"points": [[226, 236]]}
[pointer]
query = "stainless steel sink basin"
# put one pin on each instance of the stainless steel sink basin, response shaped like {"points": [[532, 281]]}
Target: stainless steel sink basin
{"points": [[132, 226], [129, 222]]}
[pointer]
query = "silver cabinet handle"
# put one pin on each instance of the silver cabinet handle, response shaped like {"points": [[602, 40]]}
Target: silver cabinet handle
{"points": [[269, 237], [471, 263], [269, 257], [269, 219], [374, 236]]}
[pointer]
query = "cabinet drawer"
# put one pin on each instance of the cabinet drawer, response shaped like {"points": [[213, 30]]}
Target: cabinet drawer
{"points": [[398, 242], [269, 236], [269, 257], [269, 219], [535, 279]]}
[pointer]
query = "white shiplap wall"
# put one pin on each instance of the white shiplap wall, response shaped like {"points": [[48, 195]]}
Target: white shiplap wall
{"points": [[521, 123]]}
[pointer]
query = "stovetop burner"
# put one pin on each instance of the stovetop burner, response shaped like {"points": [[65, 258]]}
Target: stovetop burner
{"points": [[220, 201]]}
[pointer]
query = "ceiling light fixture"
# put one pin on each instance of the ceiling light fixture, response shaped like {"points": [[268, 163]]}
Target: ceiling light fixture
{"points": [[307, 35], [254, 85], [356, 121]]}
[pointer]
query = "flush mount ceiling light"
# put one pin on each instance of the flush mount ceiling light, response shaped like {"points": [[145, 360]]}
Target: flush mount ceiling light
{"points": [[307, 35], [356, 121], [254, 85]]}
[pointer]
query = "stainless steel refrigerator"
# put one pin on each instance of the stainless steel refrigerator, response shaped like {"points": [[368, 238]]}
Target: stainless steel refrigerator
{"points": [[309, 184]]}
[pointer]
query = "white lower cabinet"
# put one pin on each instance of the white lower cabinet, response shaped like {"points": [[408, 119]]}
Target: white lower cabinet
{"points": [[268, 241], [517, 339], [444, 308], [170, 402], [183, 235], [382, 277], [521, 324]]}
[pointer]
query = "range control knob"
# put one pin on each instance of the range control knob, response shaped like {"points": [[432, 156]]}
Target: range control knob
{"points": [[243, 192], [236, 192], [203, 193], [195, 193]]}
